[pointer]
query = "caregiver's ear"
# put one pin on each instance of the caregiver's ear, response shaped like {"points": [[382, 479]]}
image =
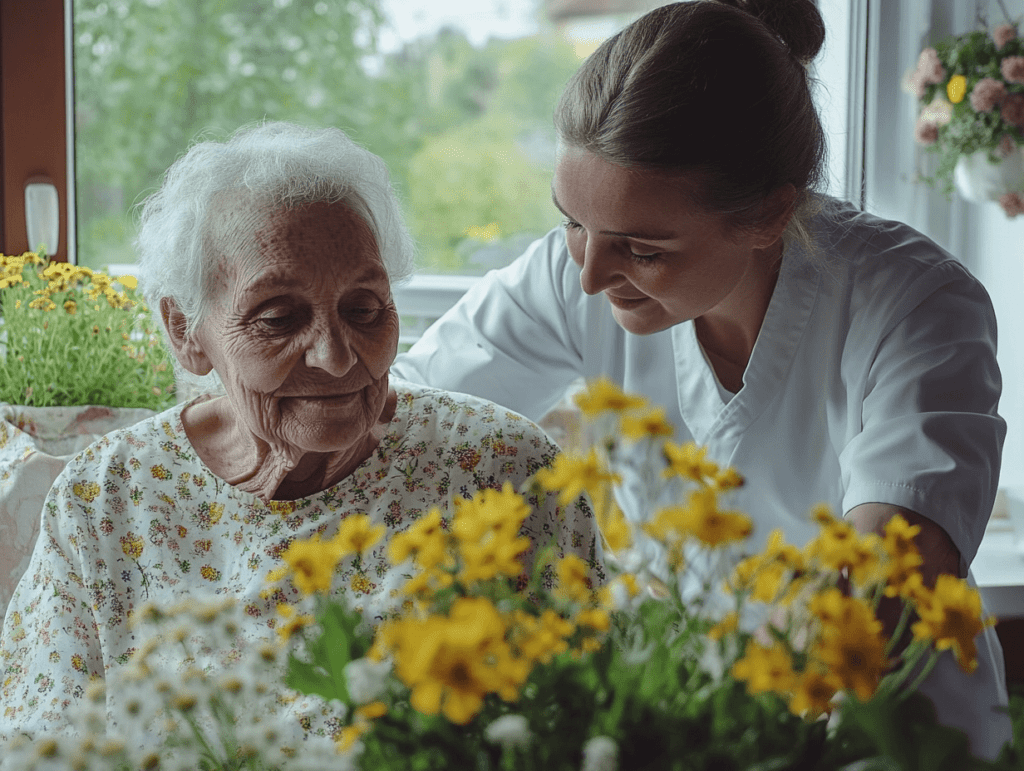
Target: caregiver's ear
{"points": [[776, 212], [187, 349]]}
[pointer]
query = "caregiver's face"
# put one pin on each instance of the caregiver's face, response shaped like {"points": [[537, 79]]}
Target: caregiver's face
{"points": [[636, 238], [303, 328]]}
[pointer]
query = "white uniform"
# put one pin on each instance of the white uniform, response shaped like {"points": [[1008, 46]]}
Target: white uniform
{"points": [[873, 379]]}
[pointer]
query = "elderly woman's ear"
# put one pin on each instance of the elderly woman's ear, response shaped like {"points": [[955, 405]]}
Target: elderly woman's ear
{"points": [[188, 352]]}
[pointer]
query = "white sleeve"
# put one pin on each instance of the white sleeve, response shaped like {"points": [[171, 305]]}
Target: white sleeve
{"points": [[514, 338], [931, 439]]}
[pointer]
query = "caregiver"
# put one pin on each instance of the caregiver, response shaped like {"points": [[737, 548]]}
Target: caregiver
{"points": [[827, 354]]}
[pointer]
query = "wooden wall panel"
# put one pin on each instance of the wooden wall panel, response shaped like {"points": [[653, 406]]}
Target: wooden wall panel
{"points": [[32, 112]]}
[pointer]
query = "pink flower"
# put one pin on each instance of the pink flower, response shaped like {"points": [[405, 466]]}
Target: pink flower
{"points": [[987, 93], [926, 132], [1012, 203], [1003, 34], [1012, 68], [1013, 109], [1006, 146], [929, 67], [914, 84]]}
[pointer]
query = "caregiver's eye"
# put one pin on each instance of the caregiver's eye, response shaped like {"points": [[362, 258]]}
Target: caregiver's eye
{"points": [[570, 225], [644, 258]]}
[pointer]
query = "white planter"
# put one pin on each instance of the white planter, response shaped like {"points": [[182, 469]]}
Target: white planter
{"points": [[979, 180]]}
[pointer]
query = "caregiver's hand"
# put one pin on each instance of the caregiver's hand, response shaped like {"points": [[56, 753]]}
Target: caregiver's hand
{"points": [[937, 549]]}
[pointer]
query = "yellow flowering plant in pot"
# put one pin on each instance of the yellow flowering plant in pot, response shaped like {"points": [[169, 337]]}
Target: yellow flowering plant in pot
{"points": [[73, 336], [694, 655], [970, 88]]}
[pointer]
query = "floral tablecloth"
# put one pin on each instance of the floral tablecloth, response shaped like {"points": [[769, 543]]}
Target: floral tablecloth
{"points": [[35, 444]]}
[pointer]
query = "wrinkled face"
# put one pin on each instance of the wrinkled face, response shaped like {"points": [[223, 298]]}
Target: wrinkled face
{"points": [[638, 239], [302, 329]]}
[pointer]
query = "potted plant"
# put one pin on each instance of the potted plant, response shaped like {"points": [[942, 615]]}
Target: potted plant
{"points": [[694, 655], [971, 93], [79, 357]]}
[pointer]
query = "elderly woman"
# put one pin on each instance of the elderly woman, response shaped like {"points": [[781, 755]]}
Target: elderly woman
{"points": [[270, 258]]}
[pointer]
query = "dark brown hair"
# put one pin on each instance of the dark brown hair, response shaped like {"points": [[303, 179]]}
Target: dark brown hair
{"points": [[714, 87]]}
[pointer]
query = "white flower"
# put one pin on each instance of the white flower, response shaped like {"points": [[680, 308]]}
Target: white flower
{"points": [[366, 679], [509, 731], [600, 754]]}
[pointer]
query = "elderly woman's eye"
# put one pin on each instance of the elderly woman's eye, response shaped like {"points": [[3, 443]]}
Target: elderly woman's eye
{"points": [[275, 322], [366, 315]]}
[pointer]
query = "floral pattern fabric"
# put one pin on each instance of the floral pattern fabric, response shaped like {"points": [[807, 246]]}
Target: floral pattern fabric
{"points": [[137, 517]]}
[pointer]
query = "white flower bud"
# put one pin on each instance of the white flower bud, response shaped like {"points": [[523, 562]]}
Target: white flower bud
{"points": [[366, 679], [509, 731], [600, 754]]}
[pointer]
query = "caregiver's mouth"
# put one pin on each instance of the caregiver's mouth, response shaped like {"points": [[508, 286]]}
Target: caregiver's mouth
{"points": [[626, 303]]}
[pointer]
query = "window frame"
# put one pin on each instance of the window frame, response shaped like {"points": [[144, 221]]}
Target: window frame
{"points": [[35, 135]]}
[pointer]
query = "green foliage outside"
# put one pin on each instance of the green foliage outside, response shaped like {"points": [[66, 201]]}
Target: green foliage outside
{"points": [[465, 130]]}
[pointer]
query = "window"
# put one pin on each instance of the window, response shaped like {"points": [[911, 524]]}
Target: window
{"points": [[456, 97]]}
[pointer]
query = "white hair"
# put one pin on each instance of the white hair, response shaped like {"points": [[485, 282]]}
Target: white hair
{"points": [[278, 165]]}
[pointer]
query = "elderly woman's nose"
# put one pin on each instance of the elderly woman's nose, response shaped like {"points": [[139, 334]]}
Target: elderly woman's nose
{"points": [[331, 350]]}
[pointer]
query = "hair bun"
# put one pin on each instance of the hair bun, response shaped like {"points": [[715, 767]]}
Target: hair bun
{"points": [[797, 23]]}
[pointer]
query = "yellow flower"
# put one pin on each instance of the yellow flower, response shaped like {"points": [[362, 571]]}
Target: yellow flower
{"points": [[495, 556], [700, 518], [956, 89], [292, 623], [425, 540], [595, 618], [952, 619], [451, 664], [689, 461], [539, 639], [43, 303], [356, 535], [603, 395], [903, 556], [573, 473], [646, 425], [615, 529], [813, 694], [70, 306], [312, 563], [765, 669], [573, 579], [851, 644], [763, 574], [372, 710], [350, 734], [489, 512], [727, 625], [839, 547], [129, 282]]}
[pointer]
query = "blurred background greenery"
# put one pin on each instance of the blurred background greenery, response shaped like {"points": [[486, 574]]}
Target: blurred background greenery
{"points": [[464, 126]]}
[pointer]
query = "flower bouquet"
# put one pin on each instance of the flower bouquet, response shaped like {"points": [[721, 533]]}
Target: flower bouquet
{"points": [[693, 656], [971, 91], [72, 336]]}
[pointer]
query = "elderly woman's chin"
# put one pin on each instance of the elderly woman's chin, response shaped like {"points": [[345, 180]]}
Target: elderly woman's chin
{"points": [[331, 423]]}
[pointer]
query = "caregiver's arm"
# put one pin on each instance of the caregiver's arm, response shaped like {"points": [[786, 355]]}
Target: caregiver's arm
{"points": [[515, 338], [937, 549]]}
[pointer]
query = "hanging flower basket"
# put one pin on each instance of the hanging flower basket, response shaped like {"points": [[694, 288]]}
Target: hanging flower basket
{"points": [[979, 179], [970, 89]]}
